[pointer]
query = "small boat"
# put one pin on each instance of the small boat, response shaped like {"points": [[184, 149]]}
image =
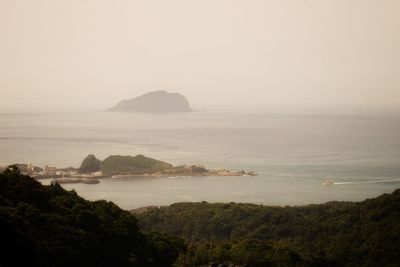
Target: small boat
{"points": [[118, 176], [327, 183]]}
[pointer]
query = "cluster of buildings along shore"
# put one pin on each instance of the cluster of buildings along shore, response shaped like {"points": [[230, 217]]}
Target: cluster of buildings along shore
{"points": [[73, 175], [59, 175], [53, 172]]}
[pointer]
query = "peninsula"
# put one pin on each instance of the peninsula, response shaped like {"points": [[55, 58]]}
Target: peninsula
{"points": [[116, 166], [154, 102]]}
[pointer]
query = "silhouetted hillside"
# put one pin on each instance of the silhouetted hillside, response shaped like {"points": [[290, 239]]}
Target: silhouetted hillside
{"points": [[333, 234], [154, 102], [49, 226], [90, 164]]}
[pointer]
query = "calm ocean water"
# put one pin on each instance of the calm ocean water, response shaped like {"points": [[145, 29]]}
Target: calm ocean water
{"points": [[293, 153]]}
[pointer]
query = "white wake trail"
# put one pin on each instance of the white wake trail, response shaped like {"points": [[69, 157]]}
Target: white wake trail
{"points": [[369, 182]]}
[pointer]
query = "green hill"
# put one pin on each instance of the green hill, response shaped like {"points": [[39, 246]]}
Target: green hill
{"points": [[90, 164], [132, 165], [49, 226], [333, 234]]}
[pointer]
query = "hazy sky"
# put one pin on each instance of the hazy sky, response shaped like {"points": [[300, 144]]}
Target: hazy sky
{"points": [[272, 53]]}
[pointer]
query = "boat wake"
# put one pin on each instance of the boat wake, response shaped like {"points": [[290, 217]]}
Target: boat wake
{"points": [[369, 182]]}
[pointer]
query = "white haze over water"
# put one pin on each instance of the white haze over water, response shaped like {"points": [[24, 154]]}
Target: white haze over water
{"points": [[277, 64], [293, 153]]}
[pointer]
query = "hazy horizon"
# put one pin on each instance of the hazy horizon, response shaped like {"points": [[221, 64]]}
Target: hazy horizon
{"points": [[273, 55]]}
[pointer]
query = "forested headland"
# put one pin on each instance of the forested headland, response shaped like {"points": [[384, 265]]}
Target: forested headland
{"points": [[49, 226], [363, 233]]}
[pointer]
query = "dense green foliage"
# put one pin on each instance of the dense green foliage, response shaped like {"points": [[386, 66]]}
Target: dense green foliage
{"points": [[240, 252], [132, 165], [49, 226], [90, 164], [333, 234], [187, 170]]}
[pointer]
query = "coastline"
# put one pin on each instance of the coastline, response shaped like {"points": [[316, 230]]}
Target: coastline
{"points": [[88, 179]]}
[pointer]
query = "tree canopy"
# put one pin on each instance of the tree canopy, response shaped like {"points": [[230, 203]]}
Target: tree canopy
{"points": [[332, 234], [49, 226], [90, 164]]}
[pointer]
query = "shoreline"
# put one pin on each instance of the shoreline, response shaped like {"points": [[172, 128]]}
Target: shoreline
{"points": [[77, 179], [90, 171]]}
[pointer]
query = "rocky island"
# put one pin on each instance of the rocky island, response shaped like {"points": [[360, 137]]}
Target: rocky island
{"points": [[139, 165], [154, 102], [116, 166]]}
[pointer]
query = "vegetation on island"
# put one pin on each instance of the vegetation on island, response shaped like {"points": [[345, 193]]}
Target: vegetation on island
{"points": [[332, 234], [132, 165], [49, 226], [141, 165], [187, 170], [90, 164]]}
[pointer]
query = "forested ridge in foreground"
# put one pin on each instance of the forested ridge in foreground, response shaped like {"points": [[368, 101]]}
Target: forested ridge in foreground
{"points": [[363, 233], [49, 226]]}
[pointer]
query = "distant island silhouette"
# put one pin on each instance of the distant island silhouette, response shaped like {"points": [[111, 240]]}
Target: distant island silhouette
{"points": [[154, 102]]}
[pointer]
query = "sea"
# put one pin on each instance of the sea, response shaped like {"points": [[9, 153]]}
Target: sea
{"points": [[293, 153]]}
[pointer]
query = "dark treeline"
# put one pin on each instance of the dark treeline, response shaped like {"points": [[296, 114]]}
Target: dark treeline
{"points": [[49, 226], [333, 234]]}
